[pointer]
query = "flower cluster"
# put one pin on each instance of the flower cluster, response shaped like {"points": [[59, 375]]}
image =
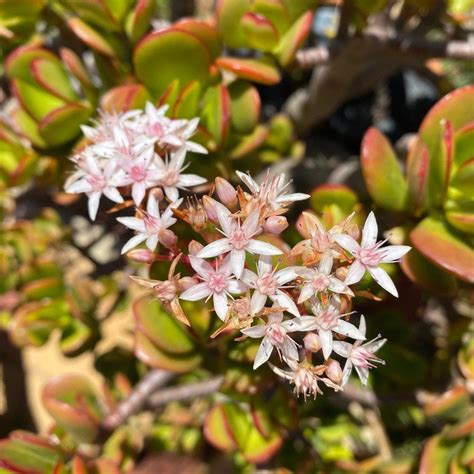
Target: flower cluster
{"points": [[296, 301], [131, 152]]}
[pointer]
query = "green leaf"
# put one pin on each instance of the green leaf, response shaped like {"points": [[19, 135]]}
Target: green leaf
{"points": [[217, 429], [436, 456], [63, 124], [186, 105], [249, 143], [382, 172], [463, 180], [245, 106], [160, 327], [261, 71], [27, 127], [275, 11], [215, 115], [123, 98], [74, 338], [202, 30], [94, 12], [329, 194], [464, 142], [293, 39], [138, 20], [259, 32], [169, 47], [18, 63], [229, 14], [449, 406], [418, 172], [438, 243], [72, 402]]}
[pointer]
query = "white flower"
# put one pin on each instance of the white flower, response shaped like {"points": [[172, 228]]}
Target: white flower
{"points": [[150, 225], [216, 282], [369, 255], [320, 280], [274, 334], [238, 239], [268, 282], [305, 378], [95, 181], [272, 191], [358, 355], [328, 320], [171, 177]]}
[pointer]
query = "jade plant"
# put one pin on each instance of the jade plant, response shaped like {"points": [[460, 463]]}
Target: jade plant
{"points": [[433, 192]]}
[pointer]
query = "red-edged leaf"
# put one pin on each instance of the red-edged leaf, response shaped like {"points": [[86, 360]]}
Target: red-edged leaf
{"points": [[275, 11], [229, 14], [436, 456], [260, 33], [186, 105], [122, 98], [249, 143], [294, 38], [169, 95], [75, 65], [463, 180], [382, 172], [217, 430], [418, 172], [464, 139], [245, 106], [464, 221], [138, 21], [215, 115], [204, 31], [158, 60], [433, 238], [333, 194], [18, 62], [450, 405], [91, 37], [263, 72], [462, 429]]}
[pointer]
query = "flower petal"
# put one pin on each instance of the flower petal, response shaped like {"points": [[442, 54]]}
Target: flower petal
{"points": [[382, 278], [263, 354], [347, 329], [393, 253], [325, 336], [187, 180], [347, 243], [220, 305], [255, 331], [262, 248], [93, 204], [132, 223], [236, 286], [218, 247], [237, 261], [257, 302], [138, 192], [355, 273], [284, 301], [201, 267], [346, 373], [342, 348], [264, 264], [370, 231], [133, 242], [196, 292]]}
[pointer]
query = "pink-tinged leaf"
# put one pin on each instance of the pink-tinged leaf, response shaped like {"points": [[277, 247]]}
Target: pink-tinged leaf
{"points": [[94, 12], [187, 104], [18, 62], [62, 125], [72, 402], [464, 140], [466, 457], [148, 352], [260, 32], [77, 68], [215, 115], [255, 70], [294, 38], [160, 327], [418, 172], [78, 466], [204, 31], [424, 273], [138, 21], [434, 239], [158, 60], [49, 287], [91, 37], [450, 405], [463, 180], [35, 101], [249, 143], [27, 453], [463, 221], [382, 172], [51, 76], [229, 14], [105, 466], [462, 429], [447, 154], [436, 456], [169, 95], [245, 106], [217, 430], [122, 98], [275, 11]]}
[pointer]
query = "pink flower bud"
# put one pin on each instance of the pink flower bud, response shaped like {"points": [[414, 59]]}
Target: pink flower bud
{"points": [[158, 194], [311, 342], [167, 238], [226, 192], [141, 255], [334, 371], [275, 224], [194, 247], [210, 206], [341, 273]]}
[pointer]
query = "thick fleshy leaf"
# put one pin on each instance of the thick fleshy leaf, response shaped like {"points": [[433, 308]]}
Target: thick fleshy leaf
{"points": [[72, 402], [27, 453], [463, 221], [122, 98], [92, 38], [77, 68], [63, 124], [169, 47], [229, 14], [186, 105], [293, 39], [436, 456], [215, 115], [17, 65], [94, 12], [464, 140], [162, 328], [50, 287], [424, 273], [149, 353], [37, 102], [217, 429], [275, 11], [382, 172], [462, 429], [52, 77], [74, 338], [27, 127], [204, 31], [296, 8], [259, 32], [255, 70], [435, 240], [463, 180], [245, 106], [138, 20], [249, 143], [170, 95], [451, 405], [418, 172], [333, 194]]}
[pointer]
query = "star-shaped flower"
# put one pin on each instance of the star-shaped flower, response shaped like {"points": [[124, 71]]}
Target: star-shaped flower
{"points": [[369, 254]]}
